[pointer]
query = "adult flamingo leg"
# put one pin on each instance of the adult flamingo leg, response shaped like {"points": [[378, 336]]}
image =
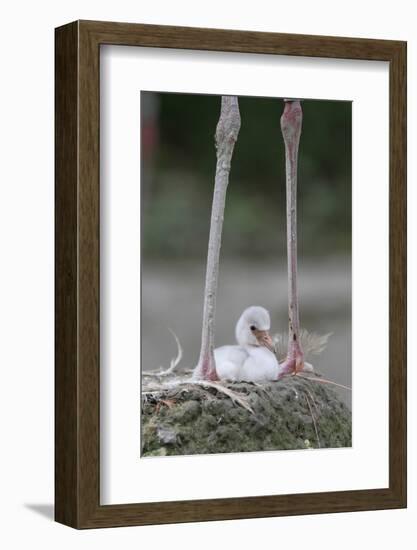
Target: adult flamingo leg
{"points": [[291, 123], [226, 135]]}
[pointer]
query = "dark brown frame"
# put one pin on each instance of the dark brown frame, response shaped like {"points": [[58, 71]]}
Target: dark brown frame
{"points": [[77, 371]]}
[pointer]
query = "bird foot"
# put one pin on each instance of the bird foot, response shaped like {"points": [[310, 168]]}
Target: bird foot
{"points": [[206, 369], [292, 365]]}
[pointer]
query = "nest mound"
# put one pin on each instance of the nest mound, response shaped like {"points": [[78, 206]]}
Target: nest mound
{"points": [[294, 413]]}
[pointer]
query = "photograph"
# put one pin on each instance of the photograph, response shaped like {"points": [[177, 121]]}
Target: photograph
{"points": [[230, 267], [246, 263], [208, 262]]}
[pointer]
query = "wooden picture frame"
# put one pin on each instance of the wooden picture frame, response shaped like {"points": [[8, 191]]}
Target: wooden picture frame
{"points": [[77, 372]]}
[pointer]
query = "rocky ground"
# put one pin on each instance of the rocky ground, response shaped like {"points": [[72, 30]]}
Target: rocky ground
{"points": [[294, 413]]}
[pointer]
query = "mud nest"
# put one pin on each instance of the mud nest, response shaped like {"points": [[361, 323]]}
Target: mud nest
{"points": [[294, 413]]}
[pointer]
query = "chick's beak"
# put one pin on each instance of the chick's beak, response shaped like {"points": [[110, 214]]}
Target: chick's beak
{"points": [[264, 339]]}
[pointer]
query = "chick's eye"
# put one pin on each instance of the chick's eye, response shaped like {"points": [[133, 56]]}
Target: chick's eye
{"points": [[252, 327]]}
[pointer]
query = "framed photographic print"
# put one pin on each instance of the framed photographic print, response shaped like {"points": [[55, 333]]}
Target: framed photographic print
{"points": [[230, 274]]}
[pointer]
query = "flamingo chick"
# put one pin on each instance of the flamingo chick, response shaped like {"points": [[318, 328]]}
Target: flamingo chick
{"points": [[253, 359]]}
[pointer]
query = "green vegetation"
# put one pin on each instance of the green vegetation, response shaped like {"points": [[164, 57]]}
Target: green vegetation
{"points": [[179, 178]]}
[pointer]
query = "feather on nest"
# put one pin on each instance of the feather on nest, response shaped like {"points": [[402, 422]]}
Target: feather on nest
{"points": [[311, 343]]}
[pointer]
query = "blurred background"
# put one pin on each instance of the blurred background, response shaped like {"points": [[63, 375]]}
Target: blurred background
{"points": [[178, 161]]}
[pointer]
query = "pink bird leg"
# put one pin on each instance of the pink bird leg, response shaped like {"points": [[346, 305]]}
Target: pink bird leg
{"points": [[291, 122], [227, 131]]}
